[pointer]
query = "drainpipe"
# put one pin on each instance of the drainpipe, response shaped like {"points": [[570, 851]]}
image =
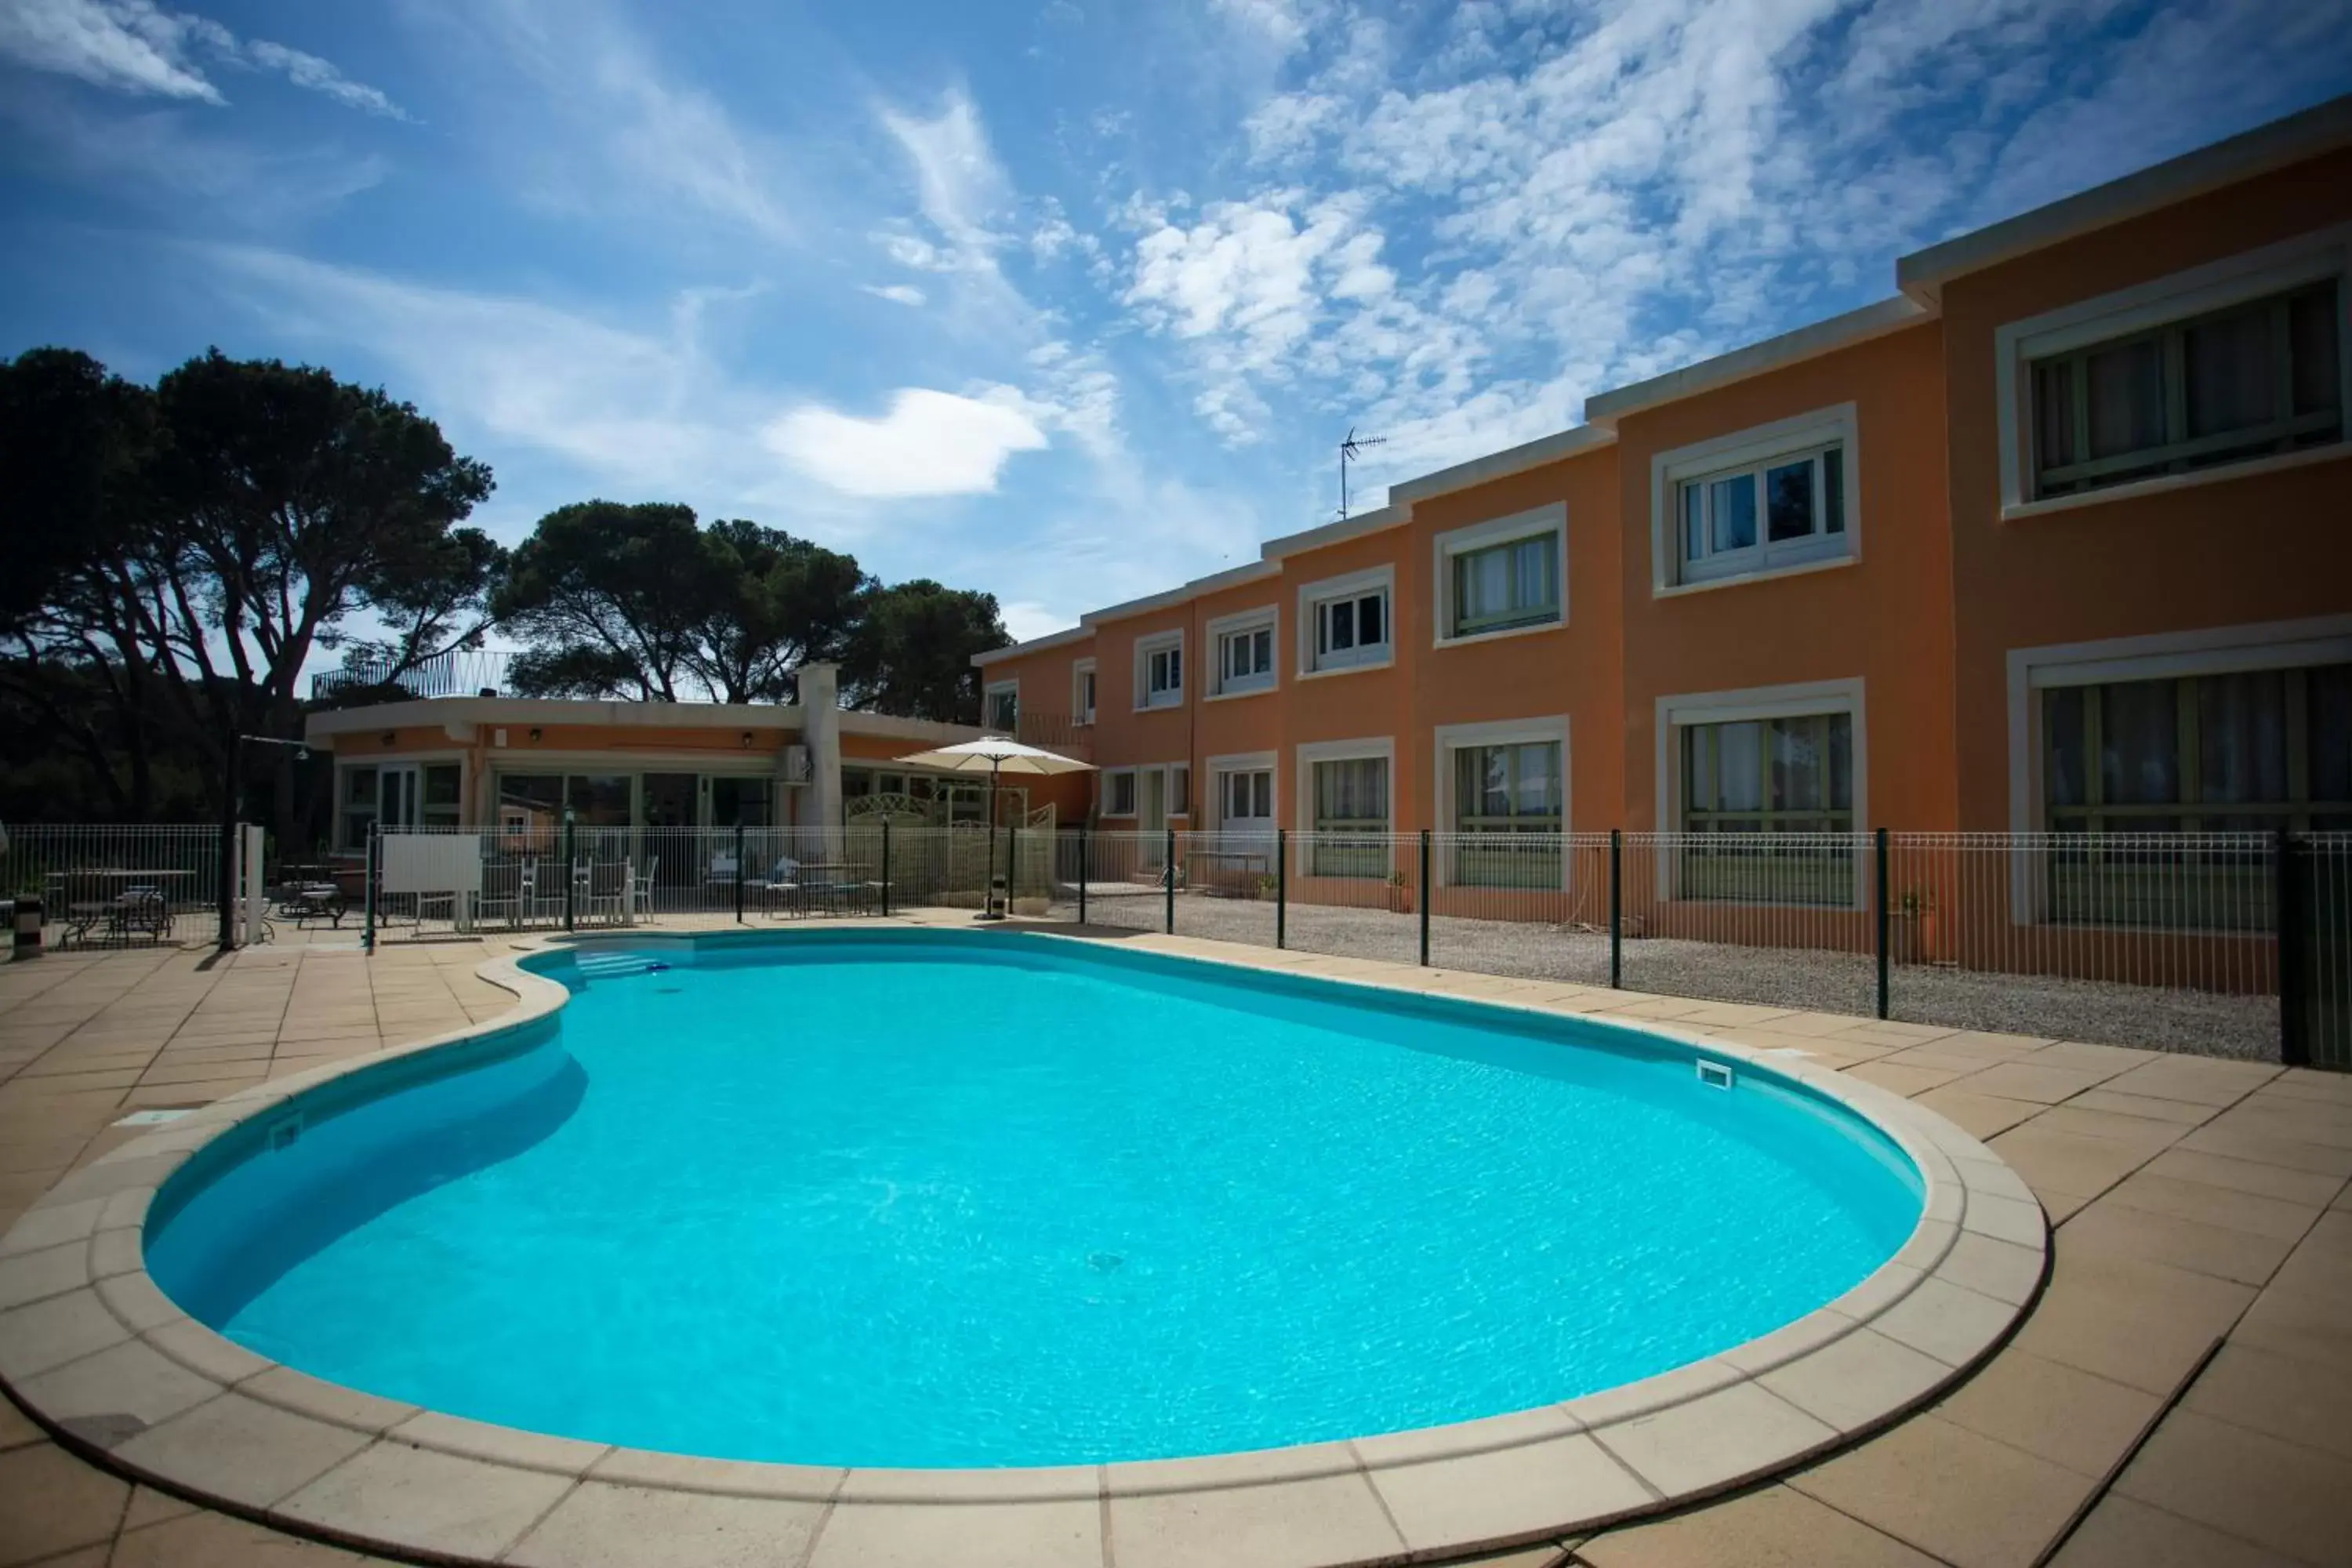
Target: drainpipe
{"points": [[820, 705]]}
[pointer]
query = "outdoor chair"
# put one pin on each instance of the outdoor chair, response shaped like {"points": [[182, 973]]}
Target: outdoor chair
{"points": [[509, 891], [140, 912], [78, 906], [781, 888], [600, 890], [641, 890]]}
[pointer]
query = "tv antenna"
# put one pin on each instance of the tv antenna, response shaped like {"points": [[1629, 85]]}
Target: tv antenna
{"points": [[1351, 449]]}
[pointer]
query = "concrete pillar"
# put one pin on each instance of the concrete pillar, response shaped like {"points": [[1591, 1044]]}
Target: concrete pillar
{"points": [[820, 705]]}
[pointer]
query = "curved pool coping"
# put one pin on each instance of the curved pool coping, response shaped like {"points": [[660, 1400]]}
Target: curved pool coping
{"points": [[93, 1350]]}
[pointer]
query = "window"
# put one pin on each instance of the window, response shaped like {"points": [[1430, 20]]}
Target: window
{"points": [[1351, 630], [1351, 798], [1748, 782], [742, 802], [401, 795], [1784, 510], [1160, 671], [2250, 379], [1245, 659], [1501, 587], [1119, 793], [1180, 789], [1516, 789], [1245, 798], [1003, 714], [1082, 692]]}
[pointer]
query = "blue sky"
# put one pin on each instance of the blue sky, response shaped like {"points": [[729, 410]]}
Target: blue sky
{"points": [[1067, 301]]}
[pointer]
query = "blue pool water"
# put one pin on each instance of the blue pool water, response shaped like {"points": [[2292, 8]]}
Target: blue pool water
{"points": [[894, 1199]]}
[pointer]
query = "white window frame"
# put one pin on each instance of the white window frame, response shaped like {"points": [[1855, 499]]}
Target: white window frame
{"points": [[1111, 777], [1220, 767], [2215, 286], [1312, 596], [1158, 643], [1313, 752], [1082, 710], [419, 761], [1524, 525], [1264, 618], [1448, 739], [1755, 447], [1801, 700], [988, 695]]}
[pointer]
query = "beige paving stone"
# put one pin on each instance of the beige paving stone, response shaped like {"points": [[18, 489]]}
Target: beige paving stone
{"points": [[2067, 1164], [2145, 1107], [2145, 1134], [47, 1334], [1903, 1080], [1726, 1437], [2019, 1222], [2295, 1400], [1771, 1528], [1333, 1519], [201, 1350], [2291, 1499], [919, 1535], [2035, 1081], [16, 1428], [206, 1540], [116, 1393], [2133, 1321], [393, 1491], [599, 1525], [52, 1502], [500, 1444], [2109, 1228], [2247, 1176], [2122, 1532], [239, 1449], [2064, 1415], [204, 1092], [1507, 1492], [2305, 1122], [2301, 1324], [26, 1277], [1991, 1266], [149, 1506], [2321, 1263], [2203, 1080], [1949, 1491], [2274, 1218], [1981, 1115], [306, 1395], [1944, 1321], [1857, 1379], [2267, 1148]]}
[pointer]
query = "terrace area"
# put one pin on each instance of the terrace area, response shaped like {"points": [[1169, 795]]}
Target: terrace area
{"points": [[2180, 1392]]}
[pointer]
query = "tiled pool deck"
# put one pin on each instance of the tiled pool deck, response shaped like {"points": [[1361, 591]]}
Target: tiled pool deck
{"points": [[2195, 1201]]}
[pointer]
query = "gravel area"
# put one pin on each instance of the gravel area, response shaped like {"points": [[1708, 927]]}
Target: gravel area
{"points": [[2194, 1021]]}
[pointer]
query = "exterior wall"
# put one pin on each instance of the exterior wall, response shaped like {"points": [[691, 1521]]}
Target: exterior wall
{"points": [[1883, 617], [2241, 550]]}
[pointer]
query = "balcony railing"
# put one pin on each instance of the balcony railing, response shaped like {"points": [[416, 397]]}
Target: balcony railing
{"points": [[460, 672]]}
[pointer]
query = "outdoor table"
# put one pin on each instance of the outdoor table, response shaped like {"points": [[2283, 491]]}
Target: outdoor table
{"points": [[81, 914]]}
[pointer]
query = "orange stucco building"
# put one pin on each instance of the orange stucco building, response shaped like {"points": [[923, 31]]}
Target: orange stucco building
{"points": [[2058, 537]]}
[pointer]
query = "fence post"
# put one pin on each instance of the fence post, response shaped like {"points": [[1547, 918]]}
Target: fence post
{"points": [[886, 865], [1616, 909], [1168, 880], [2295, 1035], [738, 873], [1012, 865], [1879, 844], [367, 890], [1425, 898], [1085, 854], [1281, 885], [571, 870]]}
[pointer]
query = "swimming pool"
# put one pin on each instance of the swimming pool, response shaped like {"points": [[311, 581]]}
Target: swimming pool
{"points": [[905, 1199]]}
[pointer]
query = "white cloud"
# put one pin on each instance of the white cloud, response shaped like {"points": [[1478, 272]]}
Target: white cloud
{"points": [[928, 444], [137, 46], [961, 187], [899, 293], [1283, 25]]}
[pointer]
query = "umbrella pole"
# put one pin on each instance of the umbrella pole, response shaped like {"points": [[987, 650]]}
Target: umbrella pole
{"points": [[987, 911]]}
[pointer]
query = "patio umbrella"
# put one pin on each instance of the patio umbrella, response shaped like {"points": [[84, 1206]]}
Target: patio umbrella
{"points": [[994, 755]]}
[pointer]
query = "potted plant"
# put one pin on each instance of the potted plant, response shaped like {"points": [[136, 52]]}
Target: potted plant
{"points": [[1400, 895]]}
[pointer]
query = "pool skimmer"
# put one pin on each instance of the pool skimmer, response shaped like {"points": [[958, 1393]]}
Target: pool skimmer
{"points": [[1714, 1075]]}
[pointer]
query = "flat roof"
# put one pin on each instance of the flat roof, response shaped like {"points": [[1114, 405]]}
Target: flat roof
{"points": [[323, 726], [2321, 128]]}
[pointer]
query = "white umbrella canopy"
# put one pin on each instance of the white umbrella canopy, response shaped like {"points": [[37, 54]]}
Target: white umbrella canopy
{"points": [[993, 753]]}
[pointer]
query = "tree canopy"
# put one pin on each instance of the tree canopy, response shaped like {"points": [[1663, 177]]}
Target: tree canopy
{"points": [[173, 559]]}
